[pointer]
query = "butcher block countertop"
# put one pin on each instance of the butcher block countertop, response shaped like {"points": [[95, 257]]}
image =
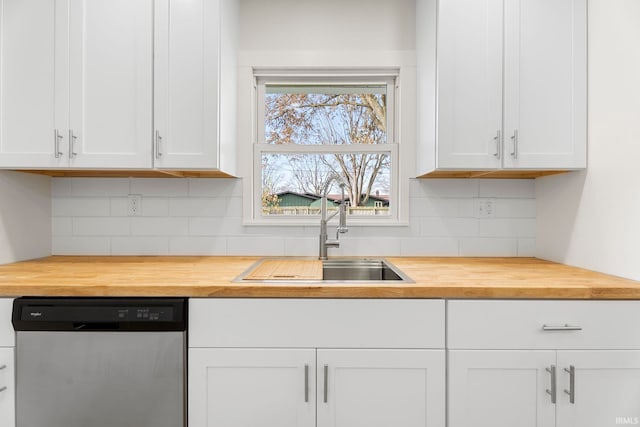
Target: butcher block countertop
{"points": [[213, 277]]}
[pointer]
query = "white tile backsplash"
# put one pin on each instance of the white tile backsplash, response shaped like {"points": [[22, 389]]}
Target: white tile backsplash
{"points": [[204, 217]]}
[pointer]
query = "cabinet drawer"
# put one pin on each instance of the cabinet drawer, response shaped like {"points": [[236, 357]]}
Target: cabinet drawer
{"points": [[543, 324], [335, 323], [7, 334]]}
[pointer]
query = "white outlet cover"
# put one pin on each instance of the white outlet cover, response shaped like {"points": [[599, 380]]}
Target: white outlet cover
{"points": [[485, 207], [134, 205]]}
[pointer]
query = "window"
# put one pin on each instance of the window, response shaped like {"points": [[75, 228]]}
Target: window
{"points": [[315, 133]]}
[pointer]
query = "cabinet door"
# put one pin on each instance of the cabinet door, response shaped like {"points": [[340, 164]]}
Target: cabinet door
{"points": [[251, 387], [469, 84], [606, 388], [111, 66], [503, 388], [33, 85], [381, 388], [546, 83], [7, 390], [187, 42]]}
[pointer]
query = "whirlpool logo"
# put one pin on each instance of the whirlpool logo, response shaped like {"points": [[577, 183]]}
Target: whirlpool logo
{"points": [[627, 421]]}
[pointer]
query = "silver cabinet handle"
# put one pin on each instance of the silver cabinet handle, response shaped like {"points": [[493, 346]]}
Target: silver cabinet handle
{"points": [[3, 367], [326, 383], [552, 390], [498, 140], [572, 384], [514, 138], [158, 145], [306, 383], [3, 389], [565, 327], [56, 143], [72, 144]]}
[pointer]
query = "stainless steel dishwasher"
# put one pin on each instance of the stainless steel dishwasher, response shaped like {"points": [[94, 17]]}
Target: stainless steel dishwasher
{"points": [[100, 362]]}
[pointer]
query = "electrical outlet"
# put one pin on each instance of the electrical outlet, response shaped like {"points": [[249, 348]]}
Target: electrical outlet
{"points": [[134, 205], [485, 208]]}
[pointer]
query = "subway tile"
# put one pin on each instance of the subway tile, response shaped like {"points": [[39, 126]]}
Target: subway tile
{"points": [[80, 206], [150, 226], [73, 245], [433, 207], [397, 231], [215, 187], [488, 247], [255, 246], [215, 226], [233, 207], [139, 245], [196, 245], [60, 187], [197, 207], [156, 187], [301, 246], [99, 186], [527, 247], [61, 226], [373, 246], [109, 226], [155, 206], [449, 227], [507, 227], [515, 208], [455, 188], [119, 206], [515, 188], [434, 246]]}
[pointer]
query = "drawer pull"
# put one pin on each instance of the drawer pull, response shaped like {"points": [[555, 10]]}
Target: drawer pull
{"points": [[3, 366], [565, 327], [3, 389], [552, 391], [306, 383], [572, 384], [326, 383]]}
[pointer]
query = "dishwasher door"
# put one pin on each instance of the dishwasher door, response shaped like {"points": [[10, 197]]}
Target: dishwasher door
{"points": [[100, 379]]}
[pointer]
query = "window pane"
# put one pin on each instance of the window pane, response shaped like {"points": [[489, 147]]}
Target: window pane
{"points": [[323, 114], [292, 183]]}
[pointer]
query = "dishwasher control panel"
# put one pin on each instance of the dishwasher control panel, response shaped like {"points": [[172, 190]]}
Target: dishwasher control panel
{"points": [[99, 314]]}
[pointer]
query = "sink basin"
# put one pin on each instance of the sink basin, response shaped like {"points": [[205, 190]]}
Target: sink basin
{"points": [[359, 269], [332, 270]]}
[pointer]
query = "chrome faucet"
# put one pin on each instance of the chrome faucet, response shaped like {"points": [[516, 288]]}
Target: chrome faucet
{"points": [[324, 219]]}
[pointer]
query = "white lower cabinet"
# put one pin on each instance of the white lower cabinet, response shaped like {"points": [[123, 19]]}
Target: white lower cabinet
{"points": [[380, 388], [7, 388], [287, 387], [352, 377], [543, 364], [252, 387], [7, 365], [500, 388]]}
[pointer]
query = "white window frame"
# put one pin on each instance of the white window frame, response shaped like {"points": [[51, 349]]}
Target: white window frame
{"points": [[388, 77]]}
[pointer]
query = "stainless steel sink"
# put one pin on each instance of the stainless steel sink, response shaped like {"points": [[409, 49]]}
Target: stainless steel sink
{"points": [[346, 270], [359, 269]]}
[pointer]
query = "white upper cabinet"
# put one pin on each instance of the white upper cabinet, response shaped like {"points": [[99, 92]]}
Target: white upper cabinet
{"points": [[33, 90], [545, 115], [76, 83], [195, 66], [118, 84], [469, 83], [510, 85], [111, 75]]}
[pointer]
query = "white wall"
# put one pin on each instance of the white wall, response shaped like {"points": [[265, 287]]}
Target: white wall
{"points": [[592, 219], [204, 217], [25, 216]]}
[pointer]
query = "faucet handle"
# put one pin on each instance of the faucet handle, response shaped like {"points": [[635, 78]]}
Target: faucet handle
{"points": [[332, 243]]}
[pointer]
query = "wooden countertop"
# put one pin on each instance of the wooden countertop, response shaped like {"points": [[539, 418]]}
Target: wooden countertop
{"points": [[212, 277]]}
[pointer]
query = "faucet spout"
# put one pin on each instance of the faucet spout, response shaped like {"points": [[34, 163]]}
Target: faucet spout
{"points": [[325, 218]]}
